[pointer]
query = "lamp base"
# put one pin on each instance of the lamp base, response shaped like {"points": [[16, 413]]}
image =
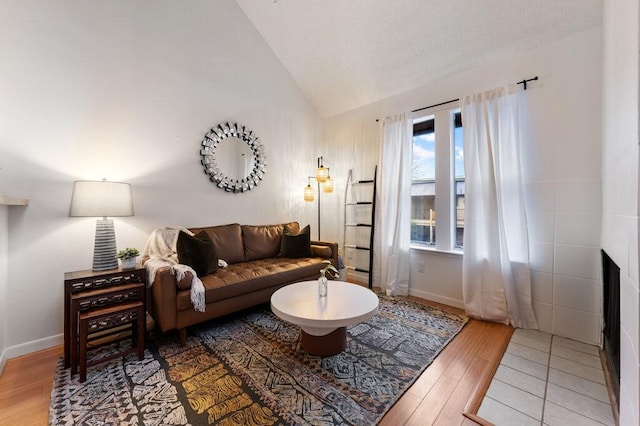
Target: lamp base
{"points": [[104, 249]]}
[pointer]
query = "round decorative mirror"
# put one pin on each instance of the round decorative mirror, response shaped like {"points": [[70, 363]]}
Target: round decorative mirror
{"points": [[232, 157]]}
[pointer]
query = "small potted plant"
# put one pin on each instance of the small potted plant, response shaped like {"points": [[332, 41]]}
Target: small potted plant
{"points": [[128, 257], [323, 281]]}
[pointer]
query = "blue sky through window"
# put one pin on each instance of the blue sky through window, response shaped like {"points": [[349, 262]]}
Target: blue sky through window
{"points": [[424, 157], [458, 147]]}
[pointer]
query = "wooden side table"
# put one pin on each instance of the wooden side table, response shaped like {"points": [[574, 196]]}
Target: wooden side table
{"points": [[93, 294], [104, 319]]}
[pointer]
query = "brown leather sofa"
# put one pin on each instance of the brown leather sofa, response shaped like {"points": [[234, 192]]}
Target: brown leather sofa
{"points": [[254, 273]]}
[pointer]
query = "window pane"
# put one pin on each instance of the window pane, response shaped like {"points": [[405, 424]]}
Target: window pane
{"points": [[423, 194], [458, 162]]}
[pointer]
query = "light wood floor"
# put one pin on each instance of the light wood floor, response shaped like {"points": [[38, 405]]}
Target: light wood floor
{"points": [[454, 383]]}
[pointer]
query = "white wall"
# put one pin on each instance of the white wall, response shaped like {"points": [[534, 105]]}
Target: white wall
{"points": [[126, 90], [561, 138], [620, 186]]}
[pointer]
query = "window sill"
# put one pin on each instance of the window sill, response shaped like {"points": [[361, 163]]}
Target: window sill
{"points": [[431, 249]]}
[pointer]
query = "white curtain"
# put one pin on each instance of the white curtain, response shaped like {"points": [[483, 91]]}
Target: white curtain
{"points": [[496, 276], [393, 206]]}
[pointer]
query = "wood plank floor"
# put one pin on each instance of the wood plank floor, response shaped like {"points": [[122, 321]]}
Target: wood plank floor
{"points": [[450, 385]]}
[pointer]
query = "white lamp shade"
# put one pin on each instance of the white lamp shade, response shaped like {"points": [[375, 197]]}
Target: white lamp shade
{"points": [[100, 198]]}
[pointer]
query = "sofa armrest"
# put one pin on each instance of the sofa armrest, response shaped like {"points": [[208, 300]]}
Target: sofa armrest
{"points": [[162, 304], [334, 250]]}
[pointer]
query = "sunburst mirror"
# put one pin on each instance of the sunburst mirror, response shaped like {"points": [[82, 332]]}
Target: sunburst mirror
{"points": [[233, 158]]}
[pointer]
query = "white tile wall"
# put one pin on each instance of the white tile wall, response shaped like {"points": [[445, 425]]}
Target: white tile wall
{"points": [[576, 293], [629, 299], [577, 261], [540, 197], [544, 315], [578, 228], [629, 379], [576, 324], [579, 197], [615, 240], [633, 270], [620, 181], [565, 193], [542, 287], [541, 256], [541, 227]]}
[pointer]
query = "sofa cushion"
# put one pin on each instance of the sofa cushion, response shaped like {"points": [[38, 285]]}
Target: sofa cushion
{"points": [[227, 240], [243, 278], [296, 245], [261, 242], [198, 252]]}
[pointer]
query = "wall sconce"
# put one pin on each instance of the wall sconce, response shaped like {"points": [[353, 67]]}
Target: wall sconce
{"points": [[328, 185], [102, 199]]}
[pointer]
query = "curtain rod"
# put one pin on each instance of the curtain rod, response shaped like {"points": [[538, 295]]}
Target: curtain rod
{"points": [[523, 82]]}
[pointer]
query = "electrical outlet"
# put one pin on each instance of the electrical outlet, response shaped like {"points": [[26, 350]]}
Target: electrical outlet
{"points": [[421, 267]]}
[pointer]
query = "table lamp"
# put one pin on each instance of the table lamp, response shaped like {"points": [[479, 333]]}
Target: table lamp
{"points": [[94, 198]]}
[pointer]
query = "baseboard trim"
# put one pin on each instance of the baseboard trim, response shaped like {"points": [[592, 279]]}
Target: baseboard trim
{"points": [[3, 360], [28, 347], [449, 301]]}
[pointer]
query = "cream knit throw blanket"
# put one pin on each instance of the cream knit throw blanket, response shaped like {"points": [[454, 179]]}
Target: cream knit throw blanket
{"points": [[161, 249]]}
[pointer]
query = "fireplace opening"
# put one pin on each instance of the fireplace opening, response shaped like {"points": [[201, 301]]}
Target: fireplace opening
{"points": [[611, 313]]}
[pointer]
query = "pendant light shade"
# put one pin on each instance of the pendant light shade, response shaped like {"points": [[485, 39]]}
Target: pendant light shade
{"points": [[328, 185], [309, 194], [321, 172]]}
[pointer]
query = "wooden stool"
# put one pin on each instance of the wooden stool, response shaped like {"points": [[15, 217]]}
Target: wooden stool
{"points": [[113, 316]]}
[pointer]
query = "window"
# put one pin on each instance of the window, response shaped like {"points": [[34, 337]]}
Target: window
{"points": [[437, 181], [458, 187], [423, 173]]}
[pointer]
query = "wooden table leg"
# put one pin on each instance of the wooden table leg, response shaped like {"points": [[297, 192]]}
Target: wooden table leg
{"points": [[83, 351], [327, 345]]}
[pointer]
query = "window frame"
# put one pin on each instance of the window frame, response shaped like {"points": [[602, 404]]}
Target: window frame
{"points": [[445, 201]]}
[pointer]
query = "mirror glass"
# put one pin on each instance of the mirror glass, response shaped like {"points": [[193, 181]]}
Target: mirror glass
{"points": [[232, 157]]}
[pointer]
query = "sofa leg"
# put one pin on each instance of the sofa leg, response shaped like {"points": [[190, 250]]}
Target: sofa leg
{"points": [[182, 333]]}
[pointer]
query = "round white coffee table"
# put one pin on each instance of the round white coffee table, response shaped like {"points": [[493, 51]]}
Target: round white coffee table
{"points": [[323, 320]]}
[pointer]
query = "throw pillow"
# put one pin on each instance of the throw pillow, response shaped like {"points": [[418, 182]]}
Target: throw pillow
{"points": [[296, 245], [198, 252]]}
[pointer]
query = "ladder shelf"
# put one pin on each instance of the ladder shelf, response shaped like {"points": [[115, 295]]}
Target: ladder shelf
{"points": [[354, 221]]}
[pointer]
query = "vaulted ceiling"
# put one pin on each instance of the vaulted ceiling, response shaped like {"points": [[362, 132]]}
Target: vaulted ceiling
{"points": [[347, 53]]}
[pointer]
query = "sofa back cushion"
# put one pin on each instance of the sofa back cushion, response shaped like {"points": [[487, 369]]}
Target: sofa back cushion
{"points": [[227, 240], [261, 242]]}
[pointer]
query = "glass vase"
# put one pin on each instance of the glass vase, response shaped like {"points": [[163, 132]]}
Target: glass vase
{"points": [[322, 285]]}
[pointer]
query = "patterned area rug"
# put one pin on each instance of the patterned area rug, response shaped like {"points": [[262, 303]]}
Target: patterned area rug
{"points": [[249, 369]]}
